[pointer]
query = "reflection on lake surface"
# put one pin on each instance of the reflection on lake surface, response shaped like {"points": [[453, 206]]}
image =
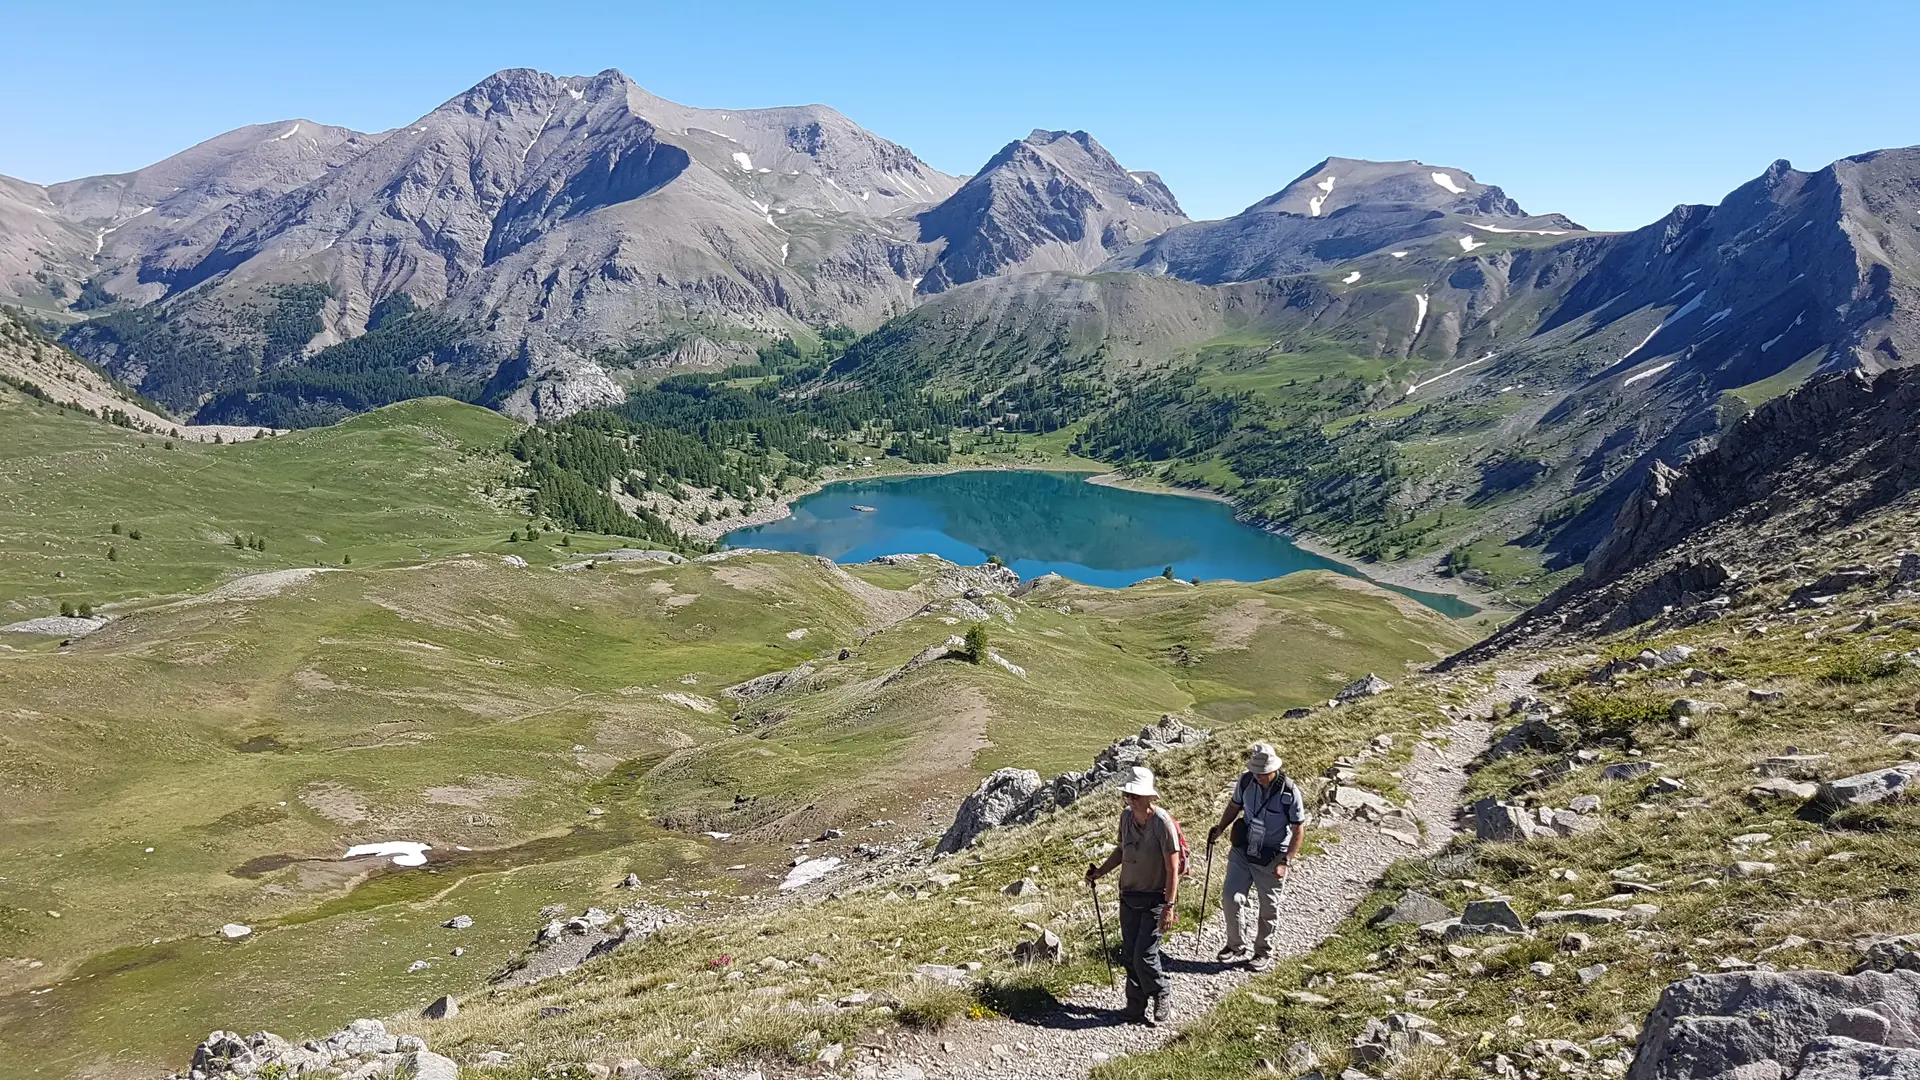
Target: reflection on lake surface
{"points": [[1041, 522]]}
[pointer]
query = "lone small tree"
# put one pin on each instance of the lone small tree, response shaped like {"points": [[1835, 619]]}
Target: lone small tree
{"points": [[66, 609], [976, 646], [1167, 573]]}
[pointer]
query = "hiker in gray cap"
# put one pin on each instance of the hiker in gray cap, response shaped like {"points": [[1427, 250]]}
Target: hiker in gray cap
{"points": [[1148, 856], [1271, 819]]}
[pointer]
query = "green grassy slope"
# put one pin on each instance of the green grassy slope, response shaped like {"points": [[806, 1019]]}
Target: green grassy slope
{"points": [[384, 488], [432, 691]]}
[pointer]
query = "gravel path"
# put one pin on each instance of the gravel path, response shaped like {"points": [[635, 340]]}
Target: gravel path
{"points": [[1087, 1029]]}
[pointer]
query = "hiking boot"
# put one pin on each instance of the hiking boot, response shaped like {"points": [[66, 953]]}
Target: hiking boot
{"points": [[1262, 961], [1231, 954], [1163, 1009]]}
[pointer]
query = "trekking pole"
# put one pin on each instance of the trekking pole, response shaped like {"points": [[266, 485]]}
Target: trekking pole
{"points": [[1205, 889], [1106, 950]]}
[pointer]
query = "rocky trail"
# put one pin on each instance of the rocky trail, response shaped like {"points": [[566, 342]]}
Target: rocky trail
{"points": [[1087, 1029]]}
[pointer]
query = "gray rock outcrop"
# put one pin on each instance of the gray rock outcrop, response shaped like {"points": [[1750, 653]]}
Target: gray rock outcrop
{"points": [[1018, 796], [1806, 1025]]}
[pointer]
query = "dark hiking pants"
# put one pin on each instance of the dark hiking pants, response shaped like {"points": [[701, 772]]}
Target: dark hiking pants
{"points": [[1140, 947]]}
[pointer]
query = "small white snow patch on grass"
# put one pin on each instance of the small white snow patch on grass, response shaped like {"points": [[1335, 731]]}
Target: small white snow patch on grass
{"points": [[1446, 180], [1350, 278], [403, 852], [1398, 254], [809, 872], [1649, 373], [742, 160], [1444, 374], [691, 701], [1420, 319], [1468, 243], [796, 635]]}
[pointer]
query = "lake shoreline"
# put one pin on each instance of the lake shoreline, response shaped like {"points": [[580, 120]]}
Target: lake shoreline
{"points": [[782, 506], [1396, 575], [1405, 575]]}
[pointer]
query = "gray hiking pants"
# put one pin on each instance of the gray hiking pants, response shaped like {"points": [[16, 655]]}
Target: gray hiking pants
{"points": [[1250, 884], [1140, 948]]}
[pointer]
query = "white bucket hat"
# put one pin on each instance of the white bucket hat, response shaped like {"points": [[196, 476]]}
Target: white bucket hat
{"points": [[1263, 759], [1140, 782]]}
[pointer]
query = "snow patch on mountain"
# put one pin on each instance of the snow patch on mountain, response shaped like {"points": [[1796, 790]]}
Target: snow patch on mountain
{"points": [[1445, 180]]}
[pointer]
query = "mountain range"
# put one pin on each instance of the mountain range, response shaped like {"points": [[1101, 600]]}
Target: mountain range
{"points": [[543, 244]]}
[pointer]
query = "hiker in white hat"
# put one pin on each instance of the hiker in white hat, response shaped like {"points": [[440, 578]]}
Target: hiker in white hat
{"points": [[1272, 819], [1148, 855]]}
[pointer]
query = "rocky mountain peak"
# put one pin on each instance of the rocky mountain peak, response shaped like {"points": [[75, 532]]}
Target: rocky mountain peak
{"points": [[1338, 183], [1055, 200]]}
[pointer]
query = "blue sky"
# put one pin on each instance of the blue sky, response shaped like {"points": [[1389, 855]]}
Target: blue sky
{"points": [[1608, 112]]}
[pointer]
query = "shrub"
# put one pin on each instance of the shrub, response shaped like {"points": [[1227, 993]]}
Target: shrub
{"points": [[66, 609], [1854, 665], [976, 646]]}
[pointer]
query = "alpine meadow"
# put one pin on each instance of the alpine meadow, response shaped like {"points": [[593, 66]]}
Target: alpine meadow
{"points": [[576, 586]]}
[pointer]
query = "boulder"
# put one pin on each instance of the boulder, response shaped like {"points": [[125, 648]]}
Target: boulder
{"points": [[1837, 1058], [1296, 714], [1684, 708], [458, 922], [631, 881], [1869, 787], [1584, 804], [1497, 914], [1780, 788], [990, 805], [1627, 770], [1026, 886], [1892, 954], [360, 1038], [1591, 974], [1413, 907], [445, 1007], [1047, 948], [1766, 697], [1750, 1025], [1366, 687], [234, 931], [1499, 822], [427, 1065]]}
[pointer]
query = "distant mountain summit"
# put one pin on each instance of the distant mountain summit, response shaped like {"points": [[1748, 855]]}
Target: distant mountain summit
{"points": [[1338, 210], [1054, 200]]}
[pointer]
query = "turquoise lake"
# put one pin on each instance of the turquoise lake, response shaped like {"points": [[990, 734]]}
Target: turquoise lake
{"points": [[1041, 522]]}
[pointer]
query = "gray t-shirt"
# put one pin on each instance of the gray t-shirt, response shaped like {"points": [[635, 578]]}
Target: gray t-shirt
{"points": [[1144, 850]]}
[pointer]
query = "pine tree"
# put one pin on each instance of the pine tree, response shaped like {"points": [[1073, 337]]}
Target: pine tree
{"points": [[976, 647]]}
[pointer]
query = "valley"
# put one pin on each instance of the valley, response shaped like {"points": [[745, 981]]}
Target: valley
{"points": [[579, 586], [546, 720]]}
